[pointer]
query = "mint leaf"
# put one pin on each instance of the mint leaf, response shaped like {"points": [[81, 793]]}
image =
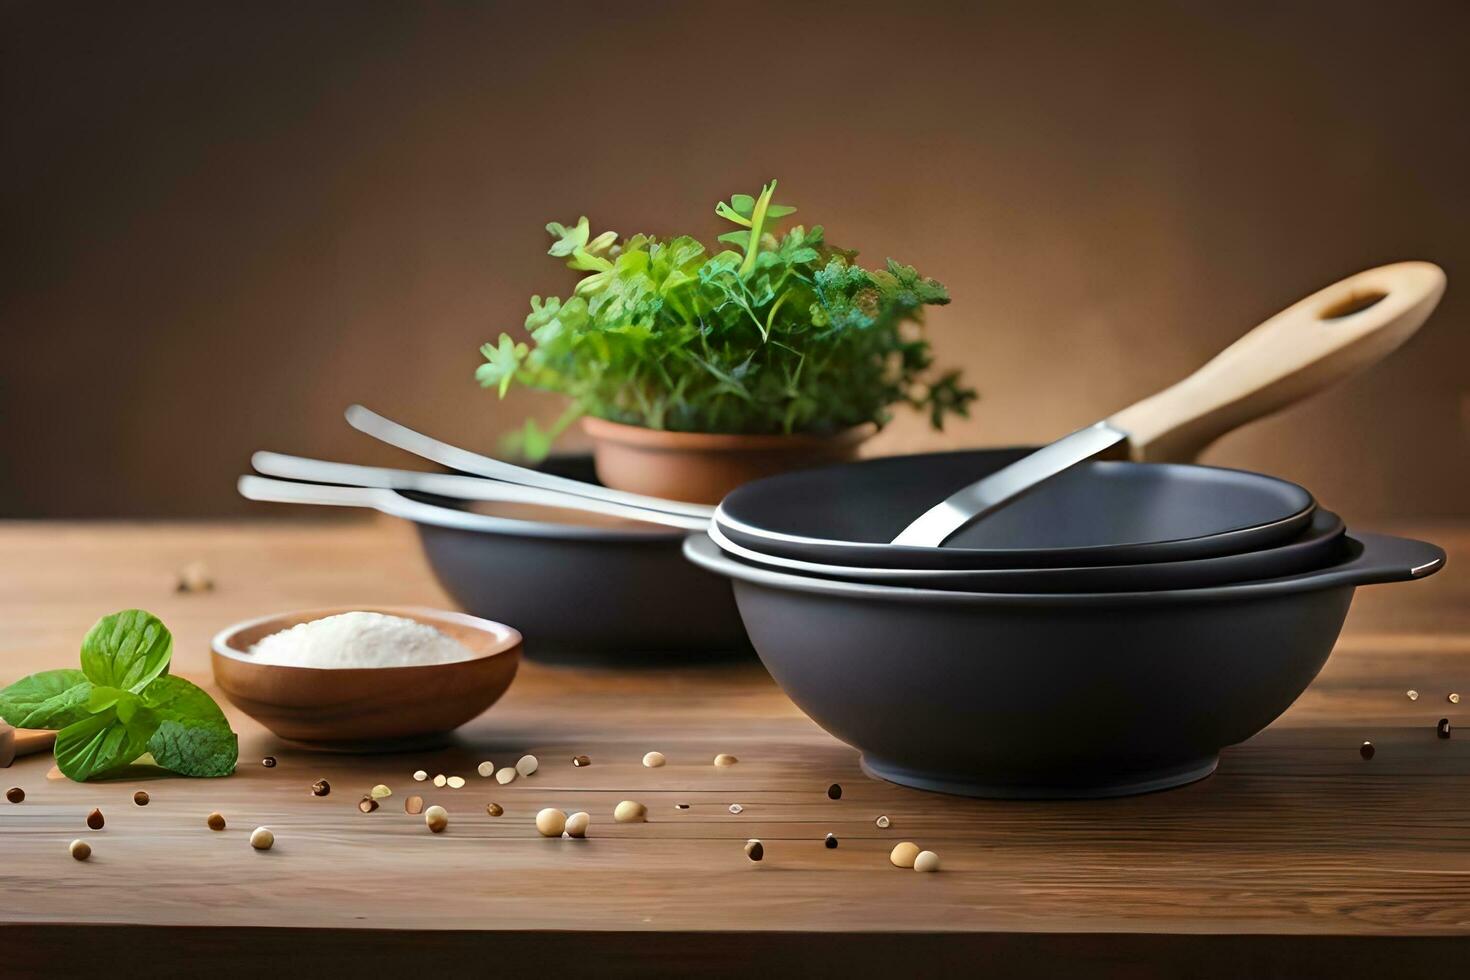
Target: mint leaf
{"points": [[126, 650], [102, 742], [193, 737], [51, 699]]}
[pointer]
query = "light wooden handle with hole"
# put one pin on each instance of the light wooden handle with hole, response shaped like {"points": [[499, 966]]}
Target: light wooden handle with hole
{"points": [[1311, 345]]}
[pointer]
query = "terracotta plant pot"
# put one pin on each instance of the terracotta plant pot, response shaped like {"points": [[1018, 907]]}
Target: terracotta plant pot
{"points": [[701, 467]]}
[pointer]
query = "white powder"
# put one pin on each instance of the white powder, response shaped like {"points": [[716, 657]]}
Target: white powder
{"points": [[359, 639]]}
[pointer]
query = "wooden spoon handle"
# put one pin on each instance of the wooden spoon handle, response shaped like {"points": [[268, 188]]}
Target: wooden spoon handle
{"points": [[1311, 345], [16, 742]]}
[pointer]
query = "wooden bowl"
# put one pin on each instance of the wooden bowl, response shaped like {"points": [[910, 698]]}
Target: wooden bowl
{"points": [[363, 709]]}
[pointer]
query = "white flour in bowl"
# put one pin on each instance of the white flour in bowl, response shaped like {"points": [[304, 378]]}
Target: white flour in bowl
{"points": [[359, 639]]}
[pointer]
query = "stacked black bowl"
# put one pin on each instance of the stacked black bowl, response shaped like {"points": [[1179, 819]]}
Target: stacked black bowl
{"points": [[1106, 634]]}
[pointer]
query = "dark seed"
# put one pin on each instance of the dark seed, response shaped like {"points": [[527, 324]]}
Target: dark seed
{"points": [[681, 806], [414, 804], [269, 762], [215, 821], [1367, 750], [140, 798], [367, 804], [1443, 728], [321, 788], [494, 809], [755, 850], [94, 819], [15, 794], [834, 792], [581, 760], [831, 841]]}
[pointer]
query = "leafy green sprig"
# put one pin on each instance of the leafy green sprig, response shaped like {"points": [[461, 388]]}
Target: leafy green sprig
{"points": [[122, 704], [780, 334]]}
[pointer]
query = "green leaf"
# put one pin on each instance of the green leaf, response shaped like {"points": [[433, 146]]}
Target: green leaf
{"points": [[127, 650], [51, 699], [779, 210], [740, 239], [102, 742], [501, 364], [744, 204], [103, 698], [193, 737], [568, 240]]}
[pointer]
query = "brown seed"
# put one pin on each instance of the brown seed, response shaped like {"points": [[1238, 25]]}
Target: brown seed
{"points": [[414, 804], [755, 850], [494, 809], [140, 798], [15, 794], [1443, 728], [80, 850], [681, 806], [437, 818], [581, 760], [367, 804], [262, 839], [578, 823], [269, 762], [321, 788], [215, 821], [630, 811], [1366, 750], [831, 841], [724, 760], [834, 792], [94, 819], [903, 854]]}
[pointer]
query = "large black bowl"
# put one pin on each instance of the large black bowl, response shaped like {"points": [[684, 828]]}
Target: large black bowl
{"points": [[609, 593], [1097, 513], [1049, 696]]}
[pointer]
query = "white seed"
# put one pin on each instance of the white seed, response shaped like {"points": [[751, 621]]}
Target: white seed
{"points": [[526, 765], [724, 760], [903, 854], [577, 824], [653, 760], [486, 769], [456, 782], [262, 839], [380, 792], [503, 776], [1454, 699], [1412, 694], [630, 811], [736, 808], [80, 850], [419, 776], [440, 780], [550, 822], [926, 861], [437, 818], [883, 821]]}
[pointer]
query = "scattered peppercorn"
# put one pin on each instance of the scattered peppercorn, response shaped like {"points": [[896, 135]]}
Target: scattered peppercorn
{"points": [[834, 792], [926, 861], [527, 764], [755, 850], [262, 838], [831, 841], [437, 818], [1443, 728], [419, 776], [681, 806], [367, 804], [1454, 698], [883, 821], [581, 760], [505, 776], [630, 811], [903, 854], [140, 798], [578, 823], [494, 809], [486, 769], [414, 805], [321, 788], [194, 577], [725, 760], [1412, 694], [80, 850], [94, 819], [1367, 750], [440, 780], [653, 760], [215, 821], [269, 762], [550, 822], [456, 782], [15, 794], [736, 808]]}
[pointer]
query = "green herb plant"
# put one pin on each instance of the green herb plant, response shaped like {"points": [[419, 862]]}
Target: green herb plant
{"points": [[780, 334], [124, 704]]}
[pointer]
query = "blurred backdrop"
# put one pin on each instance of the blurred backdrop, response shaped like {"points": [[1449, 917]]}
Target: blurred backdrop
{"points": [[223, 222]]}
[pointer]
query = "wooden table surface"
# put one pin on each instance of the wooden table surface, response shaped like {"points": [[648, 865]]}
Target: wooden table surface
{"points": [[1298, 857]]}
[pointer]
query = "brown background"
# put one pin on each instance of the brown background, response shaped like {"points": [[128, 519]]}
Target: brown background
{"points": [[224, 222]]}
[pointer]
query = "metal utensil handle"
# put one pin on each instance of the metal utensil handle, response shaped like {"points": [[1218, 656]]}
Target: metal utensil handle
{"points": [[386, 430], [458, 487]]}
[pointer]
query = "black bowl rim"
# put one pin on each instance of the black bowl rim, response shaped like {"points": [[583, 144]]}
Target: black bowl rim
{"points": [[1225, 537], [1379, 558]]}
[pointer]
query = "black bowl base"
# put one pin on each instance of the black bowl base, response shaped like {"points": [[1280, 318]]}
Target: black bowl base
{"points": [[1142, 781]]}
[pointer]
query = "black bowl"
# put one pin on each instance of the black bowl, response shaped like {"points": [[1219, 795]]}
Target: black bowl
{"points": [[605, 593], [1051, 696], [1097, 513]]}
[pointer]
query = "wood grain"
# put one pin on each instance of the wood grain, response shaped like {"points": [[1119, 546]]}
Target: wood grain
{"points": [[1297, 857]]}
